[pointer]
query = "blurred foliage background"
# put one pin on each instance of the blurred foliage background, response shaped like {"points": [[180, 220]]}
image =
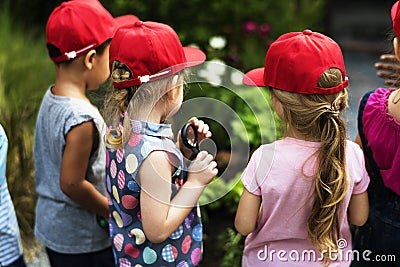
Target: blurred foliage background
{"points": [[235, 33]]}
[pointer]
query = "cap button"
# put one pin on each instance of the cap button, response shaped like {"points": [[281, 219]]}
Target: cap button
{"points": [[138, 23], [307, 32]]}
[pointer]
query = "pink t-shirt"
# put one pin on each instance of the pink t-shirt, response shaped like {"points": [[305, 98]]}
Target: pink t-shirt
{"points": [[275, 172], [382, 132]]}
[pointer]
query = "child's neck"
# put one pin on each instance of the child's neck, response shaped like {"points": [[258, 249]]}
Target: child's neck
{"points": [[293, 133], [69, 90], [70, 82]]}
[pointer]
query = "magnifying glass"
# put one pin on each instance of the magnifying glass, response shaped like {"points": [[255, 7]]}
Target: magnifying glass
{"points": [[190, 139]]}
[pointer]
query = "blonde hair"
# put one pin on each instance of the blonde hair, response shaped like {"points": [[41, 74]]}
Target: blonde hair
{"points": [[317, 118], [122, 105]]}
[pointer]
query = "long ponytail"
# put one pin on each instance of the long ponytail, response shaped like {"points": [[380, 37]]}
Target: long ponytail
{"points": [[330, 185], [317, 117]]}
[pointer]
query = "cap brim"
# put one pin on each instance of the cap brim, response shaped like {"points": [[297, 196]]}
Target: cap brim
{"points": [[254, 77], [125, 20], [194, 56]]}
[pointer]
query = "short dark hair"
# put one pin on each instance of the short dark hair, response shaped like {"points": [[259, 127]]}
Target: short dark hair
{"points": [[55, 52]]}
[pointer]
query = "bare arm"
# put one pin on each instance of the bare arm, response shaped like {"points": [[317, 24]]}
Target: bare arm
{"points": [[247, 213], [160, 215], [358, 140], [75, 161], [358, 209], [389, 69]]}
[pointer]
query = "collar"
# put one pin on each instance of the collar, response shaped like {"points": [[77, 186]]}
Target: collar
{"points": [[152, 129]]}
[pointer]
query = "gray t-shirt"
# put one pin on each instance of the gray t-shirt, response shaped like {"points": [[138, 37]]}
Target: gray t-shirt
{"points": [[61, 224]]}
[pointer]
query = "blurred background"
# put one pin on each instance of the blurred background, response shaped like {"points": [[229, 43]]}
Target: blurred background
{"points": [[236, 33]]}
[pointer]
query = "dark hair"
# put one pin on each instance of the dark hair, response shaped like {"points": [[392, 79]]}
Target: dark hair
{"points": [[54, 51]]}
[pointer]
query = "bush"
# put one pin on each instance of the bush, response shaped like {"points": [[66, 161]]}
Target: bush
{"points": [[25, 73]]}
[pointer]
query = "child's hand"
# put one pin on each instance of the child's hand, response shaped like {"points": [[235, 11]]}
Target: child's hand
{"points": [[203, 131], [389, 69], [202, 169]]}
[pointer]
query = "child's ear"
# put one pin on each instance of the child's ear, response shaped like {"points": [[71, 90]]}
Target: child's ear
{"points": [[89, 59]]}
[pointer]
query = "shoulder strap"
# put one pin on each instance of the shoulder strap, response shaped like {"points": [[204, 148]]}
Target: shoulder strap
{"points": [[373, 170]]}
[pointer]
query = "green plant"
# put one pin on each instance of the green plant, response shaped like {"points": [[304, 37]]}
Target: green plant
{"points": [[25, 73], [247, 26], [233, 248], [228, 201]]}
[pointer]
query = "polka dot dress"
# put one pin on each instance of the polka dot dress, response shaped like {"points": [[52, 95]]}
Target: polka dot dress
{"points": [[131, 248]]}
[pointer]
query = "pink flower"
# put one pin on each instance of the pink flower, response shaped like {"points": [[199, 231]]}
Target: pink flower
{"points": [[265, 29], [249, 26], [233, 57]]}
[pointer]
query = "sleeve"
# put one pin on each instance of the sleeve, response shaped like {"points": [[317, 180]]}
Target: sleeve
{"points": [[3, 154], [75, 120], [249, 175], [362, 185], [77, 113], [361, 178]]}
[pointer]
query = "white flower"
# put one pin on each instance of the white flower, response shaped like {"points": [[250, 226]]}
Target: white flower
{"points": [[194, 45], [236, 77], [212, 71], [217, 42], [216, 66]]}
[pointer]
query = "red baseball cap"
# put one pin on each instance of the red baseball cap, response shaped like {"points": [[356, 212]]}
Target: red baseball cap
{"points": [[151, 51], [295, 62], [395, 14], [77, 26]]}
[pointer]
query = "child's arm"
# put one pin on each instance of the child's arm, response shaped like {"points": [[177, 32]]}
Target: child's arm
{"points": [[358, 140], [78, 147], [247, 213], [358, 209], [389, 69], [160, 215]]}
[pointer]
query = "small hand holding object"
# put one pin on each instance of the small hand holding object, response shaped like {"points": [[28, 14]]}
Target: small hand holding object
{"points": [[191, 136], [389, 69], [202, 169]]}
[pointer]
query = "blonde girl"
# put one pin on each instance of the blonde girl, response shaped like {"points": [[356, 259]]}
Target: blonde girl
{"points": [[155, 219], [302, 191]]}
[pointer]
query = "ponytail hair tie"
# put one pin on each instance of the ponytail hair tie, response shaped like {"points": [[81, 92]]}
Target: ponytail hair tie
{"points": [[332, 110]]}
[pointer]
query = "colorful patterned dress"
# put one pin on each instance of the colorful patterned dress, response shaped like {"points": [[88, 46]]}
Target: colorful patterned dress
{"points": [[130, 246]]}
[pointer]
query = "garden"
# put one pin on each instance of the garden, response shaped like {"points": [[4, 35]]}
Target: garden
{"points": [[235, 36]]}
